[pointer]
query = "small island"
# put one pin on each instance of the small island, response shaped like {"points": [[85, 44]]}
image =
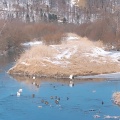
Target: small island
{"points": [[75, 55], [116, 98]]}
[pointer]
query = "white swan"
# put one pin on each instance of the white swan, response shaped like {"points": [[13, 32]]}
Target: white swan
{"points": [[33, 77], [71, 77], [20, 90], [18, 94]]}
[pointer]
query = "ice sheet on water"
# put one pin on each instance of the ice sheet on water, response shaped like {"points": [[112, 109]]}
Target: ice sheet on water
{"points": [[111, 117], [112, 75]]}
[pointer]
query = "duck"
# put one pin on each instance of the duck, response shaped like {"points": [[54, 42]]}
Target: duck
{"points": [[46, 102], [59, 98], [57, 101], [52, 97], [33, 83], [42, 101], [67, 98], [33, 95], [102, 102]]}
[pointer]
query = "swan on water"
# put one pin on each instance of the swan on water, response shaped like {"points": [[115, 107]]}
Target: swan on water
{"points": [[20, 90], [18, 94]]}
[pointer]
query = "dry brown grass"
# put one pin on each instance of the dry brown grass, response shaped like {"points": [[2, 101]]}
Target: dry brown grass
{"points": [[81, 3], [79, 67], [16, 32], [52, 39], [38, 60], [83, 66], [116, 98], [36, 53]]}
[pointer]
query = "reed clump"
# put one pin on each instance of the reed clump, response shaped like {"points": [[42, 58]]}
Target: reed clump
{"points": [[71, 57]]}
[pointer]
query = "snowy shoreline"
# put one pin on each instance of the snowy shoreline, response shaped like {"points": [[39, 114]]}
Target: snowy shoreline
{"points": [[89, 76]]}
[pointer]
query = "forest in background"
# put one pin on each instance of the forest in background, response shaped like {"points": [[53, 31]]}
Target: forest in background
{"points": [[49, 20]]}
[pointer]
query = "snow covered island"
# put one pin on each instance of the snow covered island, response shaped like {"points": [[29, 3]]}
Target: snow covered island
{"points": [[76, 55]]}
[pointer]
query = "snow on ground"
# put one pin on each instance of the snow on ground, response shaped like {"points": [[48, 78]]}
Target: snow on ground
{"points": [[78, 56], [109, 76], [24, 63], [72, 38], [72, 45], [66, 53], [27, 44], [99, 52]]}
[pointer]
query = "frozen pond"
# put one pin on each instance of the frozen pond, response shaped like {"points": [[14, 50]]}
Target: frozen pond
{"points": [[84, 101]]}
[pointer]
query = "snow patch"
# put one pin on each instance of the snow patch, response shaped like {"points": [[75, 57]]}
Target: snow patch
{"points": [[111, 117], [32, 43], [24, 63], [74, 44], [72, 38], [101, 53]]}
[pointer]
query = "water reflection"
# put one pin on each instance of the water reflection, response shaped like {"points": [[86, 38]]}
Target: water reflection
{"points": [[55, 99], [38, 81], [86, 97]]}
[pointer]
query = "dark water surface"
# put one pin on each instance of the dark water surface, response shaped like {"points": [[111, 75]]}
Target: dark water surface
{"points": [[80, 102]]}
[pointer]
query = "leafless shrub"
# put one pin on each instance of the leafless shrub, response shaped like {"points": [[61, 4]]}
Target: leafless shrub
{"points": [[52, 38], [16, 32]]}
